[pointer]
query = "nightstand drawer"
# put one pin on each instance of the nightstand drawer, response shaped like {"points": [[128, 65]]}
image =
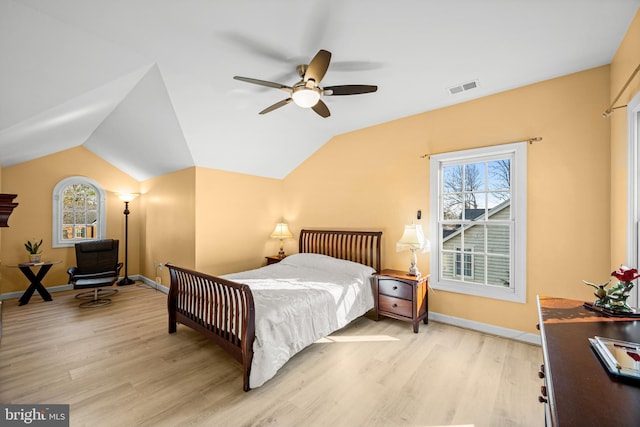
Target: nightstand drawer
{"points": [[395, 288], [394, 305]]}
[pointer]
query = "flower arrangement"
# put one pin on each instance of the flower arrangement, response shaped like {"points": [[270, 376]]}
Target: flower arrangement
{"points": [[615, 298]]}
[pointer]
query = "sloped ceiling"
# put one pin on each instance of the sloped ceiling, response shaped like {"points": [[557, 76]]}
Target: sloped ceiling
{"points": [[148, 84]]}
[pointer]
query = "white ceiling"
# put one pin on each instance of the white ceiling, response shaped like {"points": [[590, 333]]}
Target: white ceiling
{"points": [[148, 84]]}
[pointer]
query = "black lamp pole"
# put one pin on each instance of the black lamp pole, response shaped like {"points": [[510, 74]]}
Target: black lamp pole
{"points": [[125, 280]]}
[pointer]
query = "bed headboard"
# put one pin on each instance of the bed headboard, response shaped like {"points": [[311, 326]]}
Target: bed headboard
{"points": [[356, 246]]}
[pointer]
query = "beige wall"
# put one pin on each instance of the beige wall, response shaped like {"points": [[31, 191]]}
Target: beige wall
{"points": [[214, 221], [33, 182], [624, 63], [235, 213], [376, 178], [168, 230]]}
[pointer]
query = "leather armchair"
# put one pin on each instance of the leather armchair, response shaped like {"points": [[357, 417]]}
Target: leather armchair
{"points": [[97, 267]]}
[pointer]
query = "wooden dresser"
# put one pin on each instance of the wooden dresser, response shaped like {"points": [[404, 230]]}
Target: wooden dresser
{"points": [[577, 389]]}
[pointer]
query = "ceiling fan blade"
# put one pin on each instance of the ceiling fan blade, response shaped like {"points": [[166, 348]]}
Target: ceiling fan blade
{"points": [[262, 82], [318, 66], [348, 90], [322, 109], [256, 46], [276, 106]]}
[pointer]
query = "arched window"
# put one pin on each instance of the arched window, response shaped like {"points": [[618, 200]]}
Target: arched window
{"points": [[78, 211]]}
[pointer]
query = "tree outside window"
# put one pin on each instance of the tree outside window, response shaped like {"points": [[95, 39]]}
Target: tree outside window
{"points": [[79, 212]]}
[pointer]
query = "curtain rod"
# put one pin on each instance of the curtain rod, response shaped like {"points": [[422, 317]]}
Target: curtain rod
{"points": [[530, 141], [609, 110]]}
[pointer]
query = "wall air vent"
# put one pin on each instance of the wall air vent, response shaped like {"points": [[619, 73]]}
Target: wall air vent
{"points": [[463, 87]]}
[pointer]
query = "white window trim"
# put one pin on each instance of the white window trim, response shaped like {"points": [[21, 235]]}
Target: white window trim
{"points": [[517, 292], [56, 234], [633, 186]]}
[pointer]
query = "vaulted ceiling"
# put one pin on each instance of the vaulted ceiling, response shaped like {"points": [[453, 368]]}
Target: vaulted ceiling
{"points": [[148, 84]]}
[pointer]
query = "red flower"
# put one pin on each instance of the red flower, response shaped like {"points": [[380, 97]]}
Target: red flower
{"points": [[625, 274]]}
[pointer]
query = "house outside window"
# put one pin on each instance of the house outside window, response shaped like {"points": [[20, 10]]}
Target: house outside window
{"points": [[478, 222], [78, 211]]}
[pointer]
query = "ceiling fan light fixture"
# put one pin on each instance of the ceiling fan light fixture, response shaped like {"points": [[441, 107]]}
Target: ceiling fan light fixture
{"points": [[306, 93], [305, 97]]}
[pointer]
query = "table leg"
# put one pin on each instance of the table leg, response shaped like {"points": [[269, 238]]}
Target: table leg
{"points": [[36, 284], [426, 308]]}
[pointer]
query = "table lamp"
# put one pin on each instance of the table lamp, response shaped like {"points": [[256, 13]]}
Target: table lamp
{"points": [[413, 240], [281, 232]]}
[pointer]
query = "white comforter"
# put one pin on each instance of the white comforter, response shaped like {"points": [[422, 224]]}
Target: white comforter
{"points": [[299, 300]]}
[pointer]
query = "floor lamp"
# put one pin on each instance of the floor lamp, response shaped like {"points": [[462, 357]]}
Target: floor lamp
{"points": [[126, 198]]}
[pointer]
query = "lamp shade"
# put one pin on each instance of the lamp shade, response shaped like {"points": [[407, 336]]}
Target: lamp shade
{"points": [[412, 238], [281, 231], [127, 197]]}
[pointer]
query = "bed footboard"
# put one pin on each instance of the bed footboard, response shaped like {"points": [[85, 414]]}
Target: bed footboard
{"points": [[220, 309]]}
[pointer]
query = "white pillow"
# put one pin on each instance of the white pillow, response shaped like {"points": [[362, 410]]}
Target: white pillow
{"points": [[325, 262]]}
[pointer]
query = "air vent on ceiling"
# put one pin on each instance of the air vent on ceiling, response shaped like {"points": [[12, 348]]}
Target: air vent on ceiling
{"points": [[463, 87]]}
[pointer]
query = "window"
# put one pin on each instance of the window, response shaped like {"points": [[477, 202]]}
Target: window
{"points": [[464, 266], [633, 196], [78, 211], [478, 220]]}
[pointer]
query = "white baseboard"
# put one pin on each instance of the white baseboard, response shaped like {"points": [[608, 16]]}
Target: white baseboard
{"points": [[152, 284], [486, 328]]}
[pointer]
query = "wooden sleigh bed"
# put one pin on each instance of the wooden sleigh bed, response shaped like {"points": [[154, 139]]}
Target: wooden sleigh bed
{"points": [[224, 310]]}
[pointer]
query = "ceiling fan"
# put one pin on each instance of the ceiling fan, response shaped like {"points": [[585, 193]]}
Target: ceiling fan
{"points": [[306, 93]]}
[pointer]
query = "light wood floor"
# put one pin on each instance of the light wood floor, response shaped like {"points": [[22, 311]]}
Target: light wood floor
{"points": [[118, 366]]}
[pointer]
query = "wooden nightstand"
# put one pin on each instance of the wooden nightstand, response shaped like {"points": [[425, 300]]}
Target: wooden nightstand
{"points": [[402, 297], [273, 259]]}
